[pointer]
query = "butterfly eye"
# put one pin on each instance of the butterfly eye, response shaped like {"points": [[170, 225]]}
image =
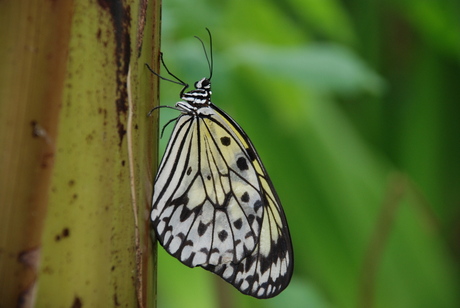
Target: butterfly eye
{"points": [[206, 83], [203, 84]]}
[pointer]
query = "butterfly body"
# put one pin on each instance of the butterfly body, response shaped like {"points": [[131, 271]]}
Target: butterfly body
{"points": [[214, 205]]}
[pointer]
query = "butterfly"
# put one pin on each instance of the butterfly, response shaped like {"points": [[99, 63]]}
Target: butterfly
{"points": [[214, 205]]}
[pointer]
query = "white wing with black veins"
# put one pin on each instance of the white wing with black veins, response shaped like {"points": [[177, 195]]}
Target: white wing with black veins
{"points": [[214, 205]]}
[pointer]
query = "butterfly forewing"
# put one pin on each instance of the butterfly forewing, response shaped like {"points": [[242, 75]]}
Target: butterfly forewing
{"points": [[268, 270], [208, 213]]}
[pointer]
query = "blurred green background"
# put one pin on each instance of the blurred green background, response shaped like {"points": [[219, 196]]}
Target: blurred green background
{"points": [[354, 109]]}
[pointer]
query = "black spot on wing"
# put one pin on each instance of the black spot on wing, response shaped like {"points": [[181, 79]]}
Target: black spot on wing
{"points": [[257, 205], [242, 164], [202, 228], [238, 223], [225, 141], [264, 264], [252, 155], [245, 197], [223, 235], [249, 261], [183, 200], [189, 170], [189, 260], [181, 236], [185, 214]]}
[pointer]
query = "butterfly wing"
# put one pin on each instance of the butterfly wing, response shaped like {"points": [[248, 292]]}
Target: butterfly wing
{"points": [[214, 205], [268, 270], [199, 216]]}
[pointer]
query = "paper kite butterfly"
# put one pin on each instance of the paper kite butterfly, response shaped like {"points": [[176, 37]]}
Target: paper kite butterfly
{"points": [[213, 204]]}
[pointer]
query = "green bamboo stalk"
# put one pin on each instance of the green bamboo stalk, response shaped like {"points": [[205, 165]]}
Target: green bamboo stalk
{"points": [[76, 152]]}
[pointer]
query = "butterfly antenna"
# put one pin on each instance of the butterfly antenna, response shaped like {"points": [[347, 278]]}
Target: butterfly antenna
{"points": [[179, 81], [210, 62]]}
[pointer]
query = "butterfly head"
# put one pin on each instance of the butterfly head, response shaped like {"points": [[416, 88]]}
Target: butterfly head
{"points": [[201, 96], [204, 83]]}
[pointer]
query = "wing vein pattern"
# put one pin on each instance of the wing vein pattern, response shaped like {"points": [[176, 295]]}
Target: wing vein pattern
{"points": [[214, 205]]}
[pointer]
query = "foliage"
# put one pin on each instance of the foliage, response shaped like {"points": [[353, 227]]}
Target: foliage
{"points": [[352, 106]]}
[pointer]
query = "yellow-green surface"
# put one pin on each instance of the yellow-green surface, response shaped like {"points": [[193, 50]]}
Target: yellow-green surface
{"points": [[76, 152]]}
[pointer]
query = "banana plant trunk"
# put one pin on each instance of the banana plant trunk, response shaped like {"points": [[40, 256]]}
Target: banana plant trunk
{"points": [[77, 152]]}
